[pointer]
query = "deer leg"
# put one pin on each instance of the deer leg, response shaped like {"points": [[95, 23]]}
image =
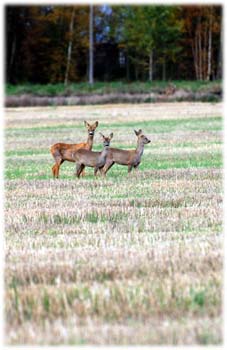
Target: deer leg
{"points": [[129, 168], [83, 173], [82, 168], [79, 169], [107, 168], [56, 167], [101, 171], [53, 170], [95, 171]]}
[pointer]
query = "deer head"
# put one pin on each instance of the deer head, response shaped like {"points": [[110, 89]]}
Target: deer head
{"points": [[91, 128], [142, 138], [106, 140]]}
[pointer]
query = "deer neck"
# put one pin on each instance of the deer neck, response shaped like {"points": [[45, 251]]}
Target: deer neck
{"points": [[104, 152], [90, 141], [139, 149]]}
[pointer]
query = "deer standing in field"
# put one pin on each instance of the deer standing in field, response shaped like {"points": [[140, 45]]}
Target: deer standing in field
{"points": [[96, 160], [63, 151], [130, 158]]}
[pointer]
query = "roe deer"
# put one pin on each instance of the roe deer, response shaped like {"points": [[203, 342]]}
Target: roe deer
{"points": [[63, 151], [92, 159], [123, 157]]}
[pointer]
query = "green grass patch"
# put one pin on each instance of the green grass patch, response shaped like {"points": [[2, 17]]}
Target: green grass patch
{"points": [[41, 169], [206, 160], [171, 125], [94, 217], [152, 126], [27, 152], [105, 87]]}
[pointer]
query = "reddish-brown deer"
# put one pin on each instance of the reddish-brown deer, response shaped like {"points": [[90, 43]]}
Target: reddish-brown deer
{"points": [[96, 160], [130, 158], [63, 151]]}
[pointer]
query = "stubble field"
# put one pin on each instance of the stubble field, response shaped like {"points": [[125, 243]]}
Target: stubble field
{"points": [[129, 259]]}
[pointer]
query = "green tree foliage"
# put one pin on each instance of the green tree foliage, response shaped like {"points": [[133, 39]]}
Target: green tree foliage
{"points": [[150, 31], [46, 44]]}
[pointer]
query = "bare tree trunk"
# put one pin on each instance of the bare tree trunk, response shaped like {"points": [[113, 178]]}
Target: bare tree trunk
{"points": [[196, 58], [164, 70], [127, 67], [12, 56], [151, 66], [200, 51], [205, 53], [220, 54], [194, 54], [91, 59], [69, 55], [209, 48]]}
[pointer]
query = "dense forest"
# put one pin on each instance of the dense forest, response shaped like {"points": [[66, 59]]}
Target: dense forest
{"points": [[50, 44]]}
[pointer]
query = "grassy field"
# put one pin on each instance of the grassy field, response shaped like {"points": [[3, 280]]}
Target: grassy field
{"points": [[130, 259], [106, 87]]}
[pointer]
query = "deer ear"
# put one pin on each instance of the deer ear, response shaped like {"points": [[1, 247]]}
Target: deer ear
{"points": [[111, 135], [139, 132], [101, 135], [86, 124], [96, 124]]}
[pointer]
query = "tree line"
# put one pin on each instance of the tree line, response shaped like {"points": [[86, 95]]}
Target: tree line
{"points": [[50, 44]]}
